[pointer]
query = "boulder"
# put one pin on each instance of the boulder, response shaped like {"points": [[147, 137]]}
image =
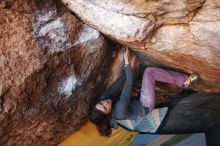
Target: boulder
{"points": [[51, 67], [181, 35]]}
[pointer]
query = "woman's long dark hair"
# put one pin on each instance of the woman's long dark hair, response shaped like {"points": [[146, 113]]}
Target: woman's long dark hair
{"points": [[101, 120]]}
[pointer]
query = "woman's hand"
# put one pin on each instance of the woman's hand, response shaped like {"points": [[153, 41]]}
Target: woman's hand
{"points": [[126, 55]]}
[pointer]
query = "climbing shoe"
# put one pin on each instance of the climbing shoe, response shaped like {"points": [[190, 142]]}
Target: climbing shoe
{"points": [[191, 79]]}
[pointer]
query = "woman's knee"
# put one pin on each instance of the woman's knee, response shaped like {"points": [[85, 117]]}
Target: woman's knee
{"points": [[149, 70]]}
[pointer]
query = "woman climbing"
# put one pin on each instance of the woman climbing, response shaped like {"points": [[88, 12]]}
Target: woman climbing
{"points": [[109, 108]]}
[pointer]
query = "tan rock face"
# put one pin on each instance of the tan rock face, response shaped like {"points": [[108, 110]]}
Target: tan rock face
{"points": [[51, 66], [183, 35], [132, 22], [193, 47]]}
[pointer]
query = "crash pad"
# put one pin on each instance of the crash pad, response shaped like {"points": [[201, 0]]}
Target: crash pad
{"points": [[148, 124], [194, 139], [89, 136]]}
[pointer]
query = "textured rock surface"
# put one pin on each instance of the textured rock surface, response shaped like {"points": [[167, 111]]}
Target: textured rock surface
{"points": [[183, 35], [51, 66], [193, 47], [131, 22]]}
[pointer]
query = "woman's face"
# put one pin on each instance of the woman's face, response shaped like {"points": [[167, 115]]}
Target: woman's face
{"points": [[105, 106]]}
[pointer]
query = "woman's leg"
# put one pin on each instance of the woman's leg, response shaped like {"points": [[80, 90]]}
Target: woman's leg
{"points": [[152, 74]]}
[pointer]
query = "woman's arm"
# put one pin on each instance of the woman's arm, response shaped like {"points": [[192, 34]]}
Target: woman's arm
{"points": [[114, 87], [122, 106]]}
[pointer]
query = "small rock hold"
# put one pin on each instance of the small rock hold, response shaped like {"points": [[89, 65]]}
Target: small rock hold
{"points": [[153, 40]]}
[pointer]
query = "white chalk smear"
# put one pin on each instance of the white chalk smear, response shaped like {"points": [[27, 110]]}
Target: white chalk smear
{"points": [[52, 31], [68, 85], [87, 34]]}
